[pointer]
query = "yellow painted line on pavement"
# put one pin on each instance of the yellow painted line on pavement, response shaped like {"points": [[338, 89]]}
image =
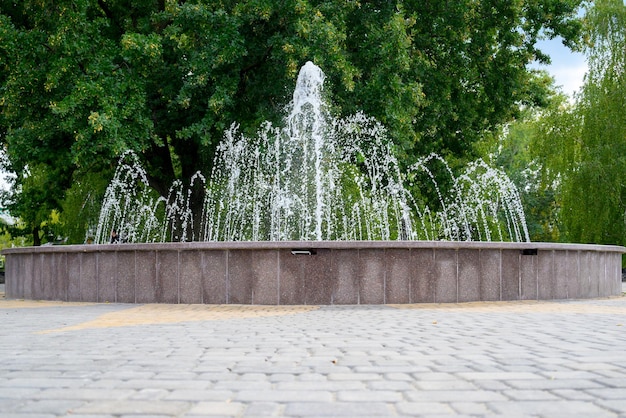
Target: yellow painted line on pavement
{"points": [[170, 314], [566, 307], [22, 303]]}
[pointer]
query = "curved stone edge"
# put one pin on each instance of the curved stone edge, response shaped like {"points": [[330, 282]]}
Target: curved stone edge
{"points": [[270, 245], [313, 273]]}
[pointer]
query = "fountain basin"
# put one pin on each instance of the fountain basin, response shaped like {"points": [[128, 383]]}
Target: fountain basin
{"points": [[313, 272]]}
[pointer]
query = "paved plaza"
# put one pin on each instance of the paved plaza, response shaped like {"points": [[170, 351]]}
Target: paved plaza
{"points": [[545, 359]]}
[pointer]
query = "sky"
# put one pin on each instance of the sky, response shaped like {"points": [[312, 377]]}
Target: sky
{"points": [[567, 68]]}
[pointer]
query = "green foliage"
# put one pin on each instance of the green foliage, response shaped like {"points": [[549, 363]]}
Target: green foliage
{"points": [[81, 206], [583, 148], [82, 81], [514, 150]]}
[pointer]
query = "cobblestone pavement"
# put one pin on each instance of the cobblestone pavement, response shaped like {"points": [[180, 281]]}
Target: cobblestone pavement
{"points": [[552, 359]]}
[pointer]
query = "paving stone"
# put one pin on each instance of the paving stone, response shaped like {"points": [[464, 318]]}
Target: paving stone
{"points": [[396, 385], [132, 407], [283, 396], [548, 359], [216, 409], [619, 382], [430, 385], [38, 383], [608, 393], [236, 384], [83, 394], [471, 408], [424, 408], [195, 394], [369, 396], [453, 395], [529, 395], [617, 406], [354, 376], [352, 409], [500, 376], [18, 393], [573, 394], [11, 404], [149, 394], [46, 406], [492, 385], [264, 409], [552, 409], [548, 384]]}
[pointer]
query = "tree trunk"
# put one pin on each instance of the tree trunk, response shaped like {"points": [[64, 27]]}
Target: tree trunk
{"points": [[36, 238]]}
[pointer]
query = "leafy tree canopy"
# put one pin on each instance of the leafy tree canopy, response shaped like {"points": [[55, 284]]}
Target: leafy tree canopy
{"points": [[583, 147], [81, 81]]}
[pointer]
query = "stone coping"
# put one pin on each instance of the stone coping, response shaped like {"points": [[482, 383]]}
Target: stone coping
{"points": [[310, 245]]}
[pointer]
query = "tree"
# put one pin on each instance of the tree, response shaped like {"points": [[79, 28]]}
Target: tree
{"points": [[584, 147], [82, 81], [513, 149]]}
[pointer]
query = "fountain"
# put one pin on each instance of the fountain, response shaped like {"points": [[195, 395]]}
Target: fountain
{"points": [[317, 178], [315, 212]]}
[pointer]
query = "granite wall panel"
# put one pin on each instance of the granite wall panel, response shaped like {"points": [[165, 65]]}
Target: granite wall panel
{"points": [[62, 278], [48, 278], [615, 276], [560, 278], [446, 283], [585, 273], [11, 286], [89, 277], [167, 277], [240, 277], [469, 276], [603, 282], [511, 274], [594, 276], [490, 274], [27, 265], [73, 276], [345, 270], [191, 277], [265, 279], [574, 281], [37, 285], [214, 278], [371, 276], [318, 278], [545, 275], [125, 277], [107, 276], [145, 276], [528, 276], [423, 275], [398, 266]]}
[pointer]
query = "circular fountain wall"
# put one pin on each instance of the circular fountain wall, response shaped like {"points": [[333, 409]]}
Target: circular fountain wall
{"points": [[313, 272]]}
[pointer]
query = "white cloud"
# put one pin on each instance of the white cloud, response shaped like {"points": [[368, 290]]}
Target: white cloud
{"points": [[567, 68]]}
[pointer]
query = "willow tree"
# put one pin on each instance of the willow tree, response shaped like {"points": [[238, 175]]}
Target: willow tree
{"points": [[583, 147]]}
